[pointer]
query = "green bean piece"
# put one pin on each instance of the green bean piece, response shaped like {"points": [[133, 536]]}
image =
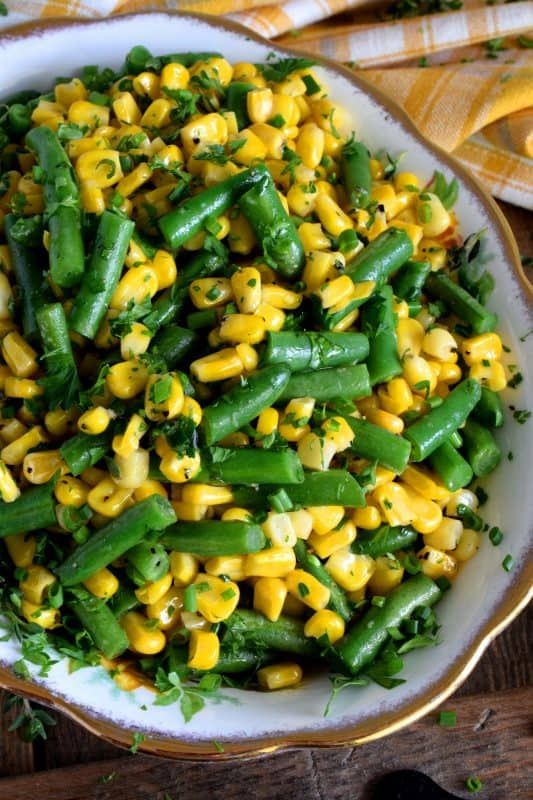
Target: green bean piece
{"points": [[361, 645], [116, 538], [310, 563], [236, 101], [214, 538], [140, 59], [172, 344], [32, 510], [285, 635], [410, 279], [252, 465], [230, 663], [481, 449], [244, 402], [461, 302], [83, 451], [123, 601], [454, 471], [188, 219], [61, 384], [207, 318], [103, 273], [63, 210], [377, 444], [101, 624], [147, 562], [378, 323], [356, 175], [275, 231], [329, 383], [432, 430], [31, 284], [385, 539], [334, 487], [314, 350], [381, 258], [489, 410], [18, 120]]}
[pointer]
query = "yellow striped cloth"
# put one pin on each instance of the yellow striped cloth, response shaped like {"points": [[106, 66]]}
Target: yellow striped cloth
{"points": [[465, 77]]}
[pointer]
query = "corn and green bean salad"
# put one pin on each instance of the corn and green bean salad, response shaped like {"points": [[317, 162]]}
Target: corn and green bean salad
{"points": [[247, 377]]}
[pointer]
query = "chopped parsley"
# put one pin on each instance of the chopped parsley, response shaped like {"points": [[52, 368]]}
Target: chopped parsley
{"points": [[447, 719], [521, 415]]}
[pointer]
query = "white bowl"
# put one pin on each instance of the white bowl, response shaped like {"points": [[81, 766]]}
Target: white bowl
{"points": [[484, 599]]}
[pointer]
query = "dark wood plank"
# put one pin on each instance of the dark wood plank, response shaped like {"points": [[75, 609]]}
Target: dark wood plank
{"points": [[491, 740], [16, 756]]}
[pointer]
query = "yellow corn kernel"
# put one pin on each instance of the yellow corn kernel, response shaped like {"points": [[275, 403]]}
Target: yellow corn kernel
{"points": [[102, 167], [36, 583], [67, 93], [331, 215], [204, 650], [275, 562], [241, 238], [152, 591], [462, 497], [84, 113], [273, 318], [350, 570], [308, 589], [326, 544], [210, 292], [96, 420], [41, 467], [126, 443], [184, 568], [167, 610], [204, 494], [21, 548], [242, 328], [269, 597], [43, 617], [414, 232], [246, 287], [272, 139], [230, 566], [419, 375], [142, 636], [267, 422], [384, 195], [410, 335], [259, 104], [148, 488], [449, 373], [436, 564], [321, 267], [19, 356], [440, 344], [401, 309], [146, 84], [135, 286], [157, 115], [252, 150], [71, 491], [126, 109], [279, 530], [395, 396], [132, 470], [432, 215], [102, 583], [134, 180], [313, 237], [217, 366], [279, 676], [467, 546], [485, 347], [6, 297], [388, 574], [12, 430], [310, 145], [165, 269], [180, 469], [216, 599], [297, 414], [325, 623], [279, 297], [394, 503], [433, 251], [108, 499], [164, 396], [136, 341], [336, 291], [93, 475], [492, 376], [325, 518], [189, 511], [302, 523], [426, 484], [368, 518], [9, 491], [446, 536], [315, 452], [174, 76], [386, 420], [243, 71], [427, 514], [214, 67], [92, 197], [127, 379], [406, 180], [204, 130], [15, 452]]}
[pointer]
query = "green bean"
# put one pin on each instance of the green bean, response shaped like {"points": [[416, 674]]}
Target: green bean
{"points": [[236, 101], [377, 444], [207, 318], [101, 278], [461, 302], [231, 663], [356, 175], [83, 451], [61, 384], [123, 601], [32, 510], [327, 384], [381, 258], [214, 538], [101, 624], [116, 538], [18, 119], [172, 344], [147, 562], [140, 59], [63, 210], [188, 219], [385, 539], [359, 648], [335, 487], [276, 233], [338, 601], [427, 433], [285, 635], [378, 323], [252, 465], [410, 279], [451, 467], [31, 284], [244, 402], [489, 410], [481, 449], [314, 350]]}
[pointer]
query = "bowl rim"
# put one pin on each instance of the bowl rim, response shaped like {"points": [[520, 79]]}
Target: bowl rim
{"points": [[511, 604]]}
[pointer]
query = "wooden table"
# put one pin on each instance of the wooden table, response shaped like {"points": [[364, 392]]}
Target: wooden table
{"points": [[492, 739]]}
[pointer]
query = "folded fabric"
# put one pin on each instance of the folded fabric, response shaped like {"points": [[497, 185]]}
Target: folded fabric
{"points": [[465, 77]]}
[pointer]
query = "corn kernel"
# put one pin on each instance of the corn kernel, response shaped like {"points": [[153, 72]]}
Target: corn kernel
{"points": [[328, 543], [368, 518], [204, 649], [166, 610], [142, 636], [467, 546], [436, 564], [102, 584], [46, 618], [217, 599], [308, 589], [269, 597], [184, 568], [325, 623], [19, 356], [492, 376], [275, 562], [350, 570], [279, 676]]}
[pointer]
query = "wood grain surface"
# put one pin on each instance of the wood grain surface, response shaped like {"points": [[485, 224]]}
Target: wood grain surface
{"points": [[492, 739]]}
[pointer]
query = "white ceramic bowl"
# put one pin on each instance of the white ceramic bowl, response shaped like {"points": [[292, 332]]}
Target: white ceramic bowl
{"points": [[484, 599]]}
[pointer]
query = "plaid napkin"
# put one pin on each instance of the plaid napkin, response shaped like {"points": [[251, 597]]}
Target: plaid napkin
{"points": [[465, 76]]}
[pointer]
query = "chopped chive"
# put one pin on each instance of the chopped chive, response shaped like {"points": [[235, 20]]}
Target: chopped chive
{"points": [[495, 536], [473, 784], [280, 501], [508, 562], [228, 594], [189, 599], [447, 719]]}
